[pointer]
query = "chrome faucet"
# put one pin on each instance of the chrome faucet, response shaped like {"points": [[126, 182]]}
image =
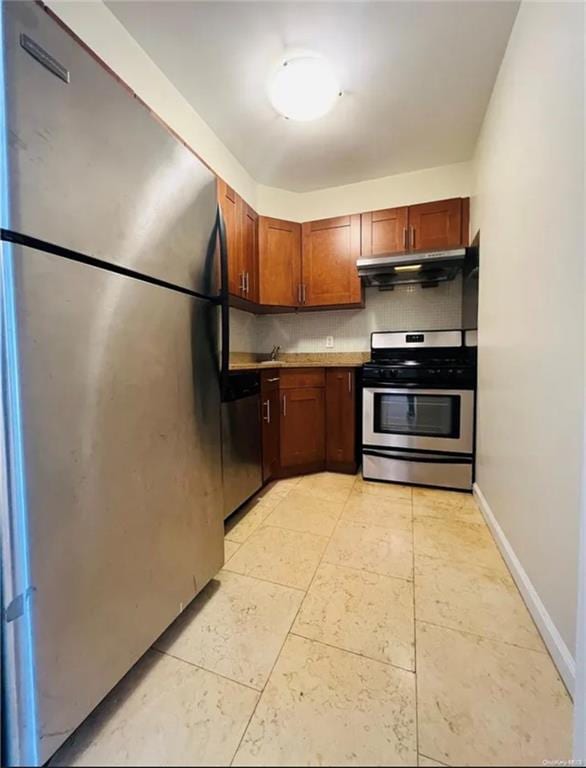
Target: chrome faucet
{"points": [[275, 352]]}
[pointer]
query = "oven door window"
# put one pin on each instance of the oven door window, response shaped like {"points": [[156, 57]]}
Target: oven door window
{"points": [[421, 415]]}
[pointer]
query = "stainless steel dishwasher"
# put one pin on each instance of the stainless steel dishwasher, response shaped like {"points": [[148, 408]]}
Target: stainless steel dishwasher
{"points": [[241, 439]]}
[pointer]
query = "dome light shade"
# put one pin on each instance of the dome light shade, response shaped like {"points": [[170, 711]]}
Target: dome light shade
{"points": [[304, 87]]}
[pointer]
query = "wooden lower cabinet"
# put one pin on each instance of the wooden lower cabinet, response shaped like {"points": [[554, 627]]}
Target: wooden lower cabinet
{"points": [[271, 460], [341, 420], [269, 390], [309, 418], [302, 421]]}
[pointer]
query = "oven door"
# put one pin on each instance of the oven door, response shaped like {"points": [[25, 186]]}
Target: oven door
{"points": [[419, 419]]}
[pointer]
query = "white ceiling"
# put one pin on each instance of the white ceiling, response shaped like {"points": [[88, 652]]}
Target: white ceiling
{"points": [[416, 77]]}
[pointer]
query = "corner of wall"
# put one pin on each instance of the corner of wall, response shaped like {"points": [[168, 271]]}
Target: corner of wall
{"points": [[420, 186]]}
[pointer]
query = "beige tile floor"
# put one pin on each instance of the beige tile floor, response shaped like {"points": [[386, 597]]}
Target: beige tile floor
{"points": [[354, 623]]}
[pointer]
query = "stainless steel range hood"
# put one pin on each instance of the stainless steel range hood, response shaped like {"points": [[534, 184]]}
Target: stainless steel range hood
{"points": [[426, 268]]}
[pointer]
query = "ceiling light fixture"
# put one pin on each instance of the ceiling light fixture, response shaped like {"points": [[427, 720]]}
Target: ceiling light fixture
{"points": [[304, 87]]}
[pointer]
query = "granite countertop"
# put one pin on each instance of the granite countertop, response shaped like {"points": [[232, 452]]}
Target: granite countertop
{"points": [[286, 364], [245, 362]]}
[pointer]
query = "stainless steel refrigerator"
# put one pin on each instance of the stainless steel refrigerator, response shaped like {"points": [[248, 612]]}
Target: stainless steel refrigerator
{"points": [[111, 516]]}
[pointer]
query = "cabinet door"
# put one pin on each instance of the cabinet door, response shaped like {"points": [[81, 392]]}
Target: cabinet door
{"points": [[330, 249], [230, 204], [249, 252], [340, 419], [279, 260], [270, 434], [384, 231], [302, 427], [435, 225]]}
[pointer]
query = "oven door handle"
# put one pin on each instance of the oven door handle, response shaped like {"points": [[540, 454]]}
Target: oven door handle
{"points": [[420, 459]]}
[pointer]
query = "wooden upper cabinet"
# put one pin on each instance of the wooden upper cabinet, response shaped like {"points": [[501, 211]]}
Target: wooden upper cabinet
{"points": [[230, 205], [279, 262], [385, 231], [242, 235], [436, 225], [329, 249], [249, 252]]}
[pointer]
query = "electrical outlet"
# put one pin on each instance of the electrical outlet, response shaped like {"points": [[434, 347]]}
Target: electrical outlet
{"points": [[329, 341]]}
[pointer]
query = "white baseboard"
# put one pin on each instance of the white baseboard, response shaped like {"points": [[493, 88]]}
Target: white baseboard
{"points": [[559, 651]]}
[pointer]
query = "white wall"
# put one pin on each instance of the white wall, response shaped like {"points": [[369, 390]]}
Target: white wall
{"points": [[529, 206], [386, 192], [96, 25]]}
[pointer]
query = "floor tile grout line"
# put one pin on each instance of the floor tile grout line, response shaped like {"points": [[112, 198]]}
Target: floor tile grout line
{"points": [[296, 530], [415, 630], [282, 528], [489, 568], [206, 669], [365, 525], [353, 653], [227, 535], [328, 537], [277, 657], [366, 570], [482, 637], [266, 581], [320, 561], [435, 760], [497, 572], [257, 578], [290, 633], [450, 559]]}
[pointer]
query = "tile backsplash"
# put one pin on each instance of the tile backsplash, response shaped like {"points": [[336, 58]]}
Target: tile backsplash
{"points": [[409, 308]]}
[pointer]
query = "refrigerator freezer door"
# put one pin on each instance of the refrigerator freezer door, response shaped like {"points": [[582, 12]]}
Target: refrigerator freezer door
{"points": [[121, 433], [90, 168]]}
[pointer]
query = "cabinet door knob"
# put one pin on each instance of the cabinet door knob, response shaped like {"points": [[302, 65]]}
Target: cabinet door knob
{"points": [[412, 237], [349, 382], [267, 417], [406, 238], [284, 405]]}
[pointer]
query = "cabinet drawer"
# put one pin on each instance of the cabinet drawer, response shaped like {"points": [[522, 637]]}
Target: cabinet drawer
{"points": [[294, 378], [269, 379]]}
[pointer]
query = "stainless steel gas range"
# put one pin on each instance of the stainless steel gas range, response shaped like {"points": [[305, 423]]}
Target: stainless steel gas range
{"points": [[418, 408]]}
